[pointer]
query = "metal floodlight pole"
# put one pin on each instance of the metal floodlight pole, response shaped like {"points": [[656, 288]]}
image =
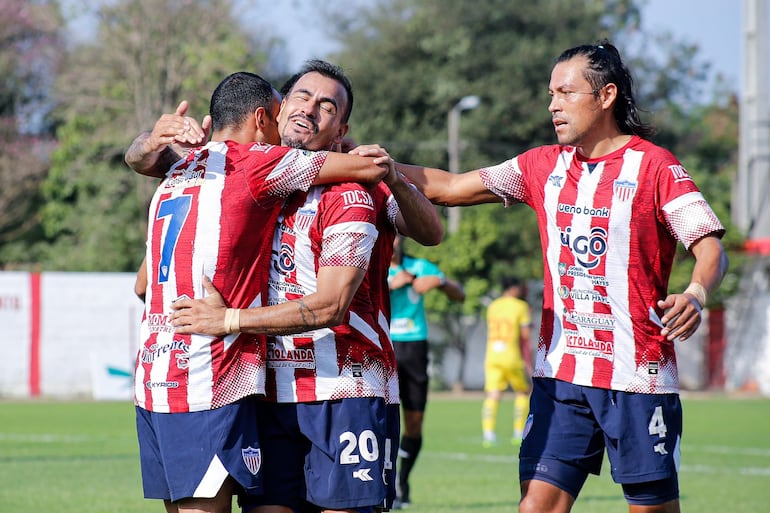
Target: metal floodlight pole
{"points": [[453, 148]]}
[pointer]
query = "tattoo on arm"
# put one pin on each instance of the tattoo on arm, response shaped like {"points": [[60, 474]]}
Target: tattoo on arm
{"points": [[150, 164], [135, 151], [167, 158], [309, 321], [308, 316]]}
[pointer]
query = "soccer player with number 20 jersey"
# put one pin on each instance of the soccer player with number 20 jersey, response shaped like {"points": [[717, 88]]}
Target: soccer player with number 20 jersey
{"points": [[328, 440], [214, 215]]}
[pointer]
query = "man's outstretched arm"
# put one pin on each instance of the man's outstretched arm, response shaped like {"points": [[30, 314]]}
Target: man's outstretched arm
{"points": [[152, 153]]}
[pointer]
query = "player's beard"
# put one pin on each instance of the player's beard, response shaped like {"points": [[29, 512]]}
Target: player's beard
{"points": [[300, 142], [293, 143]]}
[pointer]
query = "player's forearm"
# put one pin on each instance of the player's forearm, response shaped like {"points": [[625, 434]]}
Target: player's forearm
{"points": [[433, 183], [418, 218], [296, 316], [326, 307], [525, 346], [453, 290], [710, 264], [341, 167], [146, 161], [450, 189]]}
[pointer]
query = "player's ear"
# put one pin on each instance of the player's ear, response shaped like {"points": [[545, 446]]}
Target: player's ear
{"points": [[260, 117], [608, 94], [342, 131]]}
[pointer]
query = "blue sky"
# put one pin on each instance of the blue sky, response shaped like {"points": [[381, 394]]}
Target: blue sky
{"points": [[714, 25]]}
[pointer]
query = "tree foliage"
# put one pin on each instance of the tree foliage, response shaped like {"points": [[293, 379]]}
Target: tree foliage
{"points": [[146, 57], [30, 39]]}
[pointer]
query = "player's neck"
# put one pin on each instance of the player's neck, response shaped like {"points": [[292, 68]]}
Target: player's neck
{"points": [[604, 146]]}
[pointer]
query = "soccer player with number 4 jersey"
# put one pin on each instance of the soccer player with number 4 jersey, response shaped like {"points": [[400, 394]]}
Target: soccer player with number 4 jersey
{"points": [[611, 208]]}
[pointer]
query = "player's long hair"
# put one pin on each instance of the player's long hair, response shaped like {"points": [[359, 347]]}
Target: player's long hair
{"points": [[604, 67], [328, 70]]}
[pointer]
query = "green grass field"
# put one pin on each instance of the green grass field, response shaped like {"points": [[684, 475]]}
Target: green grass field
{"points": [[81, 457]]}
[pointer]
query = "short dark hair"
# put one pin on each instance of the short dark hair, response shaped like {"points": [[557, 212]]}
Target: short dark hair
{"points": [[237, 97], [604, 67], [326, 69], [510, 281]]}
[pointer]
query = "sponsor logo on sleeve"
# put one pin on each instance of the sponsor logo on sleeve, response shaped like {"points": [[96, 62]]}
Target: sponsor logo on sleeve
{"points": [[679, 173]]}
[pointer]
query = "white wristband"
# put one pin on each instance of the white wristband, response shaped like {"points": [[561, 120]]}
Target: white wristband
{"points": [[699, 292], [232, 320]]}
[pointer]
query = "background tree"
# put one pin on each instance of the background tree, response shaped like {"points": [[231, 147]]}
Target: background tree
{"points": [[30, 41], [147, 55]]}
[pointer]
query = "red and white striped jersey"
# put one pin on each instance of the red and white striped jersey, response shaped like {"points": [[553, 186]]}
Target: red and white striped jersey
{"points": [[608, 229], [387, 210], [213, 214], [331, 226]]}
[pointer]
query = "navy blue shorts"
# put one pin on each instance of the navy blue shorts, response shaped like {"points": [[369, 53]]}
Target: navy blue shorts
{"points": [[332, 454], [185, 455], [570, 426]]}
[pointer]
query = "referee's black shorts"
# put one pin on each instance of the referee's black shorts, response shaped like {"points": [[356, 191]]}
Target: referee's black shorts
{"points": [[412, 360]]}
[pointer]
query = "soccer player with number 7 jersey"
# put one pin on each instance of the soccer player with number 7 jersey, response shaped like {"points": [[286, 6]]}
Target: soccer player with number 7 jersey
{"points": [[214, 215], [325, 429]]}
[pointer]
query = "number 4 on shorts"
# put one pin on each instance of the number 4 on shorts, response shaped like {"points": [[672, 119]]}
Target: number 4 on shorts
{"points": [[657, 425]]}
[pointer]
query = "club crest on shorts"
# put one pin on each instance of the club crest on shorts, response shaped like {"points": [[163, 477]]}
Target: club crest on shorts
{"points": [[252, 458]]}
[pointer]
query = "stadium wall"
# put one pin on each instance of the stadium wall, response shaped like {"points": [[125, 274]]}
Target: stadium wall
{"points": [[68, 334], [76, 334]]}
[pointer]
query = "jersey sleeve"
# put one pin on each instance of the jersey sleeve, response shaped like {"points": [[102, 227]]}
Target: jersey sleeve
{"points": [[280, 171], [684, 210], [505, 180], [348, 227]]}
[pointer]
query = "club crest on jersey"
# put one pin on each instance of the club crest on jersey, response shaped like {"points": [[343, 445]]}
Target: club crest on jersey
{"points": [[623, 190], [252, 458], [303, 219]]}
